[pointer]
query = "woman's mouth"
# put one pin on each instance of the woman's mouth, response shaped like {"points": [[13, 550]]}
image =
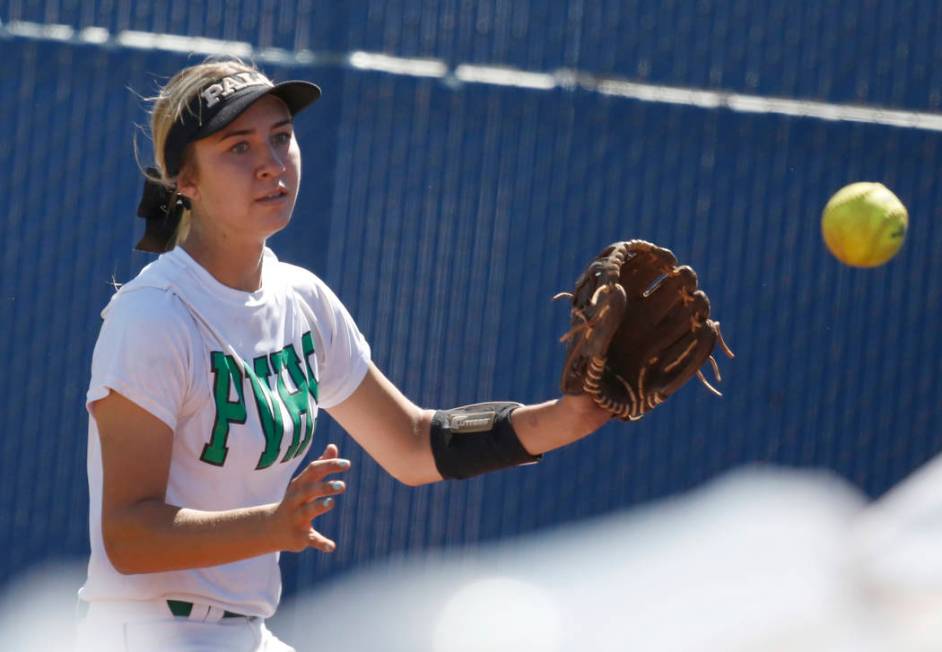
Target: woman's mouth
{"points": [[275, 196]]}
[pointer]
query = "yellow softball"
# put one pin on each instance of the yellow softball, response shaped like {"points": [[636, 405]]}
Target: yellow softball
{"points": [[864, 224]]}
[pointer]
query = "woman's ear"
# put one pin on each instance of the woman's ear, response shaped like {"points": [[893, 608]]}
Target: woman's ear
{"points": [[186, 182]]}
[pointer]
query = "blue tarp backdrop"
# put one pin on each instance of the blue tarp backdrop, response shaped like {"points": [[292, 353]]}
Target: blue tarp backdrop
{"points": [[445, 215]]}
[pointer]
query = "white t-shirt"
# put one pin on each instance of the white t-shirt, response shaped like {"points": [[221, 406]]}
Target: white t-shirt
{"points": [[239, 377]]}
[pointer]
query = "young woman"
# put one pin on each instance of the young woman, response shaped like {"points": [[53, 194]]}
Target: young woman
{"points": [[207, 376]]}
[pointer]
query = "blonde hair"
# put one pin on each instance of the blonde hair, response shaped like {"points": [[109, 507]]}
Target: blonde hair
{"points": [[169, 105]]}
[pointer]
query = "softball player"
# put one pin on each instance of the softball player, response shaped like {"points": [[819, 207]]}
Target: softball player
{"points": [[207, 377]]}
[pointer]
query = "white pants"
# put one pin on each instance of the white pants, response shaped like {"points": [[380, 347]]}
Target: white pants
{"points": [[148, 626]]}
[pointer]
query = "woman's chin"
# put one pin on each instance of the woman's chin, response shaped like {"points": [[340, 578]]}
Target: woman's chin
{"points": [[274, 221]]}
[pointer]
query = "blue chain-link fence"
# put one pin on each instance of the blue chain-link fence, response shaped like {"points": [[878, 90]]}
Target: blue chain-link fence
{"points": [[446, 214]]}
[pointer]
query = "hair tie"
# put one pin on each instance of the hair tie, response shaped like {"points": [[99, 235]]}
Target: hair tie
{"points": [[161, 207]]}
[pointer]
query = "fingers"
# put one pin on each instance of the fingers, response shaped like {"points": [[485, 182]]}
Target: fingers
{"points": [[317, 540], [309, 491], [330, 452], [311, 501], [309, 494], [317, 507], [309, 512], [302, 493], [322, 467]]}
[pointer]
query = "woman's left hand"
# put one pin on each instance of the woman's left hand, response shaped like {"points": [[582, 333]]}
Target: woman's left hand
{"points": [[585, 410]]}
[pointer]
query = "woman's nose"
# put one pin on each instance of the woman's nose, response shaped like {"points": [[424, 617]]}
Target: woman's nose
{"points": [[271, 165]]}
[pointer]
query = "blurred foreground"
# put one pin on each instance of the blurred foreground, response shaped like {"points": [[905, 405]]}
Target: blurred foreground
{"points": [[760, 560]]}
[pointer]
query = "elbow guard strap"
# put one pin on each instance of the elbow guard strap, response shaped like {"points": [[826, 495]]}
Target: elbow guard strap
{"points": [[474, 439]]}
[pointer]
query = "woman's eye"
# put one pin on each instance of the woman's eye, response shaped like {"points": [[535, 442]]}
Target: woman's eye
{"points": [[240, 148], [282, 138]]}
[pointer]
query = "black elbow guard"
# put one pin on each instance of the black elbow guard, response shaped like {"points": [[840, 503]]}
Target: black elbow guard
{"points": [[474, 439]]}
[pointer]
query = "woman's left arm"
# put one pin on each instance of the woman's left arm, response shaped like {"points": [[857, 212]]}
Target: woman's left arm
{"points": [[396, 432]]}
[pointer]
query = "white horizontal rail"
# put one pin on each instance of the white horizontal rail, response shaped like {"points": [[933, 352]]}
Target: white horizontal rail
{"points": [[482, 74]]}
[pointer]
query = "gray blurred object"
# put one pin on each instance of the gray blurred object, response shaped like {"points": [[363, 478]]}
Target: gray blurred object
{"points": [[761, 560], [900, 556]]}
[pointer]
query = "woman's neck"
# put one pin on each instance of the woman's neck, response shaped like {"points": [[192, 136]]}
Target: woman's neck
{"points": [[235, 265]]}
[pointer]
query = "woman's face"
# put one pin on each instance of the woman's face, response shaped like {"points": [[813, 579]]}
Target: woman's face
{"points": [[245, 179]]}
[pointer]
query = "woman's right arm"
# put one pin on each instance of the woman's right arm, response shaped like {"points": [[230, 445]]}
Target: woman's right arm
{"points": [[143, 534]]}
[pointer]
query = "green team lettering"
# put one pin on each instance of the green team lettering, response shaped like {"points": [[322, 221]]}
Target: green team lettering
{"points": [[296, 401], [225, 374], [307, 347], [269, 412]]}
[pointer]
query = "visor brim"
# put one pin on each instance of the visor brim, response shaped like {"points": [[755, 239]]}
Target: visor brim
{"points": [[297, 96]]}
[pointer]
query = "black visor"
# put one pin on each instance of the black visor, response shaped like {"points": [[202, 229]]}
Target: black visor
{"points": [[222, 102]]}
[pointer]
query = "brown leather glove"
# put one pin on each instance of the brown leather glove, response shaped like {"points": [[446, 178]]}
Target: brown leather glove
{"points": [[640, 330]]}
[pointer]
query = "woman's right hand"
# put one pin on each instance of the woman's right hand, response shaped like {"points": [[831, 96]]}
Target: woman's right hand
{"points": [[309, 494]]}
